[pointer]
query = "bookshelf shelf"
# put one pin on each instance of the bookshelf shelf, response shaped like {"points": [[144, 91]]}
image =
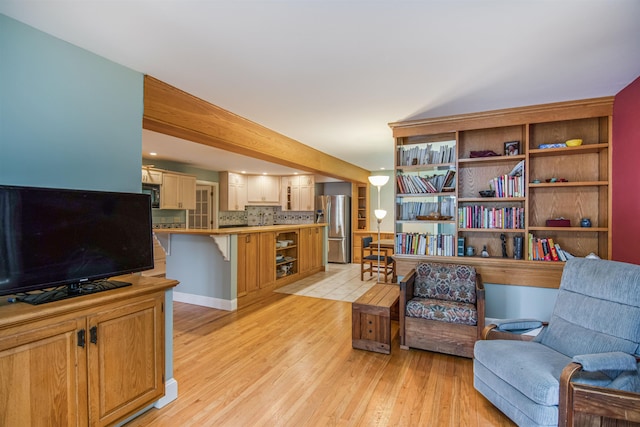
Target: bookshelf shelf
{"points": [[491, 199], [568, 184], [491, 230], [570, 229], [564, 151], [401, 195], [492, 159], [425, 221], [584, 194]]}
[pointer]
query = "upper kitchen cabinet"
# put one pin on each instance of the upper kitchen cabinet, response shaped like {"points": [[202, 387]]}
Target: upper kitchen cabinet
{"points": [[298, 193], [178, 191], [151, 176], [233, 191], [263, 189], [307, 193]]}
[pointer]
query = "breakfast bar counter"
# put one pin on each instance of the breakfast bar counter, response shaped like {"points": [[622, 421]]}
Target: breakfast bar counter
{"points": [[227, 267]]}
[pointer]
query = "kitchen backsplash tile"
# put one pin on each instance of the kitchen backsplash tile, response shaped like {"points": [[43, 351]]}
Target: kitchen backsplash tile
{"points": [[254, 216]]}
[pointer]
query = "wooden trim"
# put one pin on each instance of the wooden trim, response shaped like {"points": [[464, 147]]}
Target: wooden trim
{"points": [[595, 107], [539, 274], [171, 111]]}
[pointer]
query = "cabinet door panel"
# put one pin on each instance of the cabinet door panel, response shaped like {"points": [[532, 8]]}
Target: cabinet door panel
{"points": [[267, 259], [126, 364], [248, 255], [187, 192], [42, 374], [263, 189], [169, 192]]}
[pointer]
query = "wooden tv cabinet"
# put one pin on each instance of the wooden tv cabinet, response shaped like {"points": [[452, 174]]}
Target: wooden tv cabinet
{"points": [[90, 360]]}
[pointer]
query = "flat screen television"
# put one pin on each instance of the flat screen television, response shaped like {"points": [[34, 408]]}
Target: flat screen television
{"points": [[67, 241]]}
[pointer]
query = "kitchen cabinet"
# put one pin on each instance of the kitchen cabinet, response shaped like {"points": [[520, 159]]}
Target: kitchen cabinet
{"points": [[310, 249], [151, 176], [255, 248], [248, 253], [263, 189], [267, 258], [178, 191], [298, 193], [307, 192], [233, 191], [287, 258], [91, 360], [265, 264]]}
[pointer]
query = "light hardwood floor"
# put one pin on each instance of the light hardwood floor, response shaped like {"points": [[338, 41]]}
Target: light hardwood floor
{"points": [[288, 361]]}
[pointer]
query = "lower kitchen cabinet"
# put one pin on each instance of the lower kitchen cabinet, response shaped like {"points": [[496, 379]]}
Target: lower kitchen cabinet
{"points": [[265, 263], [310, 249], [92, 360], [256, 252], [248, 254]]}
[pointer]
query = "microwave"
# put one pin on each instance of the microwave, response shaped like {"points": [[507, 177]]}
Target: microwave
{"points": [[153, 190]]}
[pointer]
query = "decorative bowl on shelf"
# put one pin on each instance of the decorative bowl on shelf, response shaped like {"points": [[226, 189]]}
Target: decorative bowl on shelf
{"points": [[487, 193], [573, 142]]}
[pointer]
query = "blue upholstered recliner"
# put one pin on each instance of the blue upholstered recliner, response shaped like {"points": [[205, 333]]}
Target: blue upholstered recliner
{"points": [[593, 336]]}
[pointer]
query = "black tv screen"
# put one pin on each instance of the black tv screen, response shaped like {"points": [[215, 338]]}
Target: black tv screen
{"points": [[51, 237]]}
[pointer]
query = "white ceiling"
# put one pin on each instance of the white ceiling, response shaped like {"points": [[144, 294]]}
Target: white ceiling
{"points": [[333, 74]]}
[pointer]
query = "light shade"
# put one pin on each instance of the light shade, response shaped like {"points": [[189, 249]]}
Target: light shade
{"points": [[380, 213], [378, 180]]}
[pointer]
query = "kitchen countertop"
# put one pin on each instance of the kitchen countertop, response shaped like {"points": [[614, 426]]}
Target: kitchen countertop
{"points": [[236, 230]]}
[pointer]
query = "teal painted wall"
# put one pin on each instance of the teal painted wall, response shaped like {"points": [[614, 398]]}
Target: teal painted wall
{"points": [[68, 118]]}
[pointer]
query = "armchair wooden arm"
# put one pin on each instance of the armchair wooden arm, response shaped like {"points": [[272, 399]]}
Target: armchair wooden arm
{"points": [[406, 293], [582, 404], [480, 304]]}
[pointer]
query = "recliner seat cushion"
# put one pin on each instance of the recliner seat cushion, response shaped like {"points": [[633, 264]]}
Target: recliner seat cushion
{"points": [[448, 282], [530, 367], [444, 311]]}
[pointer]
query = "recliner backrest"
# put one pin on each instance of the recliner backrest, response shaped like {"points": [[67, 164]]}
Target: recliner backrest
{"points": [[448, 282], [597, 309]]}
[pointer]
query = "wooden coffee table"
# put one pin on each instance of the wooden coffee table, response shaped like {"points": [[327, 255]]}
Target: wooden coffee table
{"points": [[371, 318]]}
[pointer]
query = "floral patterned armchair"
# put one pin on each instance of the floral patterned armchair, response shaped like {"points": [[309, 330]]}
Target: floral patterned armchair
{"points": [[441, 308]]}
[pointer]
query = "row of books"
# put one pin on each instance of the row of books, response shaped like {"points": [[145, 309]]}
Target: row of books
{"points": [[412, 210], [478, 216], [426, 155], [508, 186], [414, 184], [545, 249], [425, 244]]}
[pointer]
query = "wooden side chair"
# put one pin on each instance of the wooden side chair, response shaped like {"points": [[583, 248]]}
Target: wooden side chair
{"points": [[370, 258]]}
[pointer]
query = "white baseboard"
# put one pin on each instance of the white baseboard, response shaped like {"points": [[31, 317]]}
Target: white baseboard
{"points": [[220, 304], [170, 393]]}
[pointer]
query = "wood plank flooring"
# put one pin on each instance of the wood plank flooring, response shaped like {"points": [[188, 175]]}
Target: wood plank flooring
{"points": [[288, 361]]}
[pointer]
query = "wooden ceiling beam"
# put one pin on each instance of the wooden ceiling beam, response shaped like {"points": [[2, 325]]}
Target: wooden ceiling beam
{"points": [[171, 111]]}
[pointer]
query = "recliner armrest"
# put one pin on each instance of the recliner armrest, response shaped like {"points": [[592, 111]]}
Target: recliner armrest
{"points": [[511, 329], [611, 361], [517, 326]]}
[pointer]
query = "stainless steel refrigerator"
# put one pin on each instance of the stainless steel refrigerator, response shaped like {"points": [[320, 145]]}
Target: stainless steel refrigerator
{"points": [[336, 211]]}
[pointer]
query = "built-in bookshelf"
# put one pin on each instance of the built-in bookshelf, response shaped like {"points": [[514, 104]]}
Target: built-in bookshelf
{"points": [[492, 181], [426, 176]]}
